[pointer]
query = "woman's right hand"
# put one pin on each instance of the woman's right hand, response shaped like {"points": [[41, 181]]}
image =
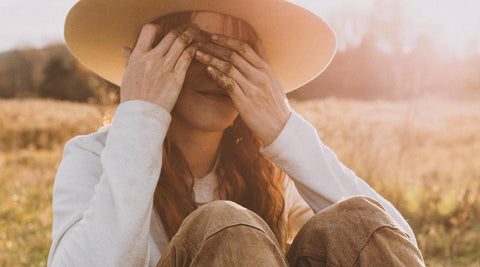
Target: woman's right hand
{"points": [[156, 74]]}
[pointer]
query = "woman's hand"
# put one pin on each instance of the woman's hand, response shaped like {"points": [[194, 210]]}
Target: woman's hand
{"points": [[156, 74], [249, 80]]}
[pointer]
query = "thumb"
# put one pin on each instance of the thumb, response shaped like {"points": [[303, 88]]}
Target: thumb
{"points": [[127, 52]]}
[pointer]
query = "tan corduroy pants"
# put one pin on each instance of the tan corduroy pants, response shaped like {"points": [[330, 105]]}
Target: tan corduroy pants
{"points": [[354, 232]]}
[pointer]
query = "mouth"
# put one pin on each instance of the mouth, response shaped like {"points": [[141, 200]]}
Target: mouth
{"points": [[217, 95]]}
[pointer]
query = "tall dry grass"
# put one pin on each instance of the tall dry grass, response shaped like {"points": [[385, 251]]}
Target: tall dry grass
{"points": [[422, 155]]}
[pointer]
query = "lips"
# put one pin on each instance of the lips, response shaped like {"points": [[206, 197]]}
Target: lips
{"points": [[215, 95], [218, 93]]}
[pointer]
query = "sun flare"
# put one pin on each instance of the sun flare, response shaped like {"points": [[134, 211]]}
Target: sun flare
{"points": [[451, 25]]}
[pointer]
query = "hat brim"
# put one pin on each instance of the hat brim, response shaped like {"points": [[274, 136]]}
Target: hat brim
{"points": [[298, 44]]}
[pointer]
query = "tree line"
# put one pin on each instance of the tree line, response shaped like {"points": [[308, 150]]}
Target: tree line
{"points": [[51, 72]]}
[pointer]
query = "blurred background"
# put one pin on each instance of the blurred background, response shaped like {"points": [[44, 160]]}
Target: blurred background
{"points": [[399, 104]]}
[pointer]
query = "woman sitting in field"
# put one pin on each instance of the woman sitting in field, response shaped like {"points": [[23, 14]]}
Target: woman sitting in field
{"points": [[203, 160]]}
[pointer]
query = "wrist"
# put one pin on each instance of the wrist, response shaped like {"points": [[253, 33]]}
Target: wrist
{"points": [[276, 128]]}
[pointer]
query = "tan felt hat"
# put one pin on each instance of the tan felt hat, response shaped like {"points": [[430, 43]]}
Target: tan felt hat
{"points": [[298, 44]]}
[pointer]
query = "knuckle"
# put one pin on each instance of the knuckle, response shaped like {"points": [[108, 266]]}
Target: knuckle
{"points": [[244, 47], [206, 58], [222, 81], [228, 68], [263, 81], [229, 54], [171, 35], [187, 54], [229, 86], [192, 30], [175, 32], [184, 39], [191, 50]]}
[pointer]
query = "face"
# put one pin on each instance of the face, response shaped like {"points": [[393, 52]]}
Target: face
{"points": [[198, 106]]}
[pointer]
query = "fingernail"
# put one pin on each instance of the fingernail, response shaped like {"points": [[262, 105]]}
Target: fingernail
{"points": [[209, 68], [214, 37]]}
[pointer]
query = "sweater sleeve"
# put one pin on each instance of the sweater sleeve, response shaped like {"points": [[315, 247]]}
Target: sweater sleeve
{"points": [[321, 179], [103, 190]]}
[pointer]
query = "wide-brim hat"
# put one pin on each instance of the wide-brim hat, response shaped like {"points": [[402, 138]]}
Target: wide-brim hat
{"points": [[299, 44]]}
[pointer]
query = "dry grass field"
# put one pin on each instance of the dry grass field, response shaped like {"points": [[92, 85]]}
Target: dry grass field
{"points": [[422, 155]]}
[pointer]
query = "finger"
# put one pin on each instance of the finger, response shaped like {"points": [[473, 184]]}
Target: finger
{"points": [[185, 59], [242, 48], [249, 71], [227, 83], [146, 38], [225, 67], [182, 41], [127, 52], [167, 41]]}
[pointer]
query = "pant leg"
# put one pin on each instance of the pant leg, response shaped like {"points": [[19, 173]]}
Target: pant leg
{"points": [[223, 233], [353, 232]]}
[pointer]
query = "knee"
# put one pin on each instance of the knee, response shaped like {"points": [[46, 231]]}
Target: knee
{"points": [[352, 208], [227, 212], [218, 210], [361, 203], [221, 214], [351, 219], [343, 226], [222, 207], [352, 213]]}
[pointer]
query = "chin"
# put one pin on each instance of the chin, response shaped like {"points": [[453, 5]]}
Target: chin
{"points": [[206, 120], [212, 126]]}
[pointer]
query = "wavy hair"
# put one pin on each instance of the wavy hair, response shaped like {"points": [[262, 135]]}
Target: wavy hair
{"points": [[245, 176]]}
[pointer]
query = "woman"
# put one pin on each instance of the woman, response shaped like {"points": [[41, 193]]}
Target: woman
{"points": [[203, 117]]}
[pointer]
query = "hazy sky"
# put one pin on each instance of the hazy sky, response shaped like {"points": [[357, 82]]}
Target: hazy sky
{"points": [[32, 22], [455, 24]]}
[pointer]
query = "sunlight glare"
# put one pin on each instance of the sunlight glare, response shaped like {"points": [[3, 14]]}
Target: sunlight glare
{"points": [[453, 24]]}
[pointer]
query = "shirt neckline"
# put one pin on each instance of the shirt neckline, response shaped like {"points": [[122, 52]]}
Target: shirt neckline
{"points": [[211, 174]]}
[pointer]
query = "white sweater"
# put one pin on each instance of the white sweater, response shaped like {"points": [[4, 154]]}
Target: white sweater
{"points": [[104, 187]]}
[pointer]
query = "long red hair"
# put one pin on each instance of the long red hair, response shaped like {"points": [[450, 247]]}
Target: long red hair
{"points": [[245, 176]]}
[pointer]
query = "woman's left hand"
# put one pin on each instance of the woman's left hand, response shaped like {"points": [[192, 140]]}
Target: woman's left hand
{"points": [[250, 82]]}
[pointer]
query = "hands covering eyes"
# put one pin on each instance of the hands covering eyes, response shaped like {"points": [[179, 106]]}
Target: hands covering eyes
{"points": [[156, 73]]}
